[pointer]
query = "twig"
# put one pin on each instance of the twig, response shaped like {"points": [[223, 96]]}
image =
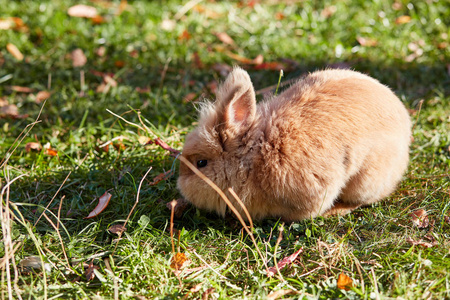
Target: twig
{"points": [[418, 114], [126, 121], [172, 204], [112, 140], [59, 236], [280, 237], [244, 208]]}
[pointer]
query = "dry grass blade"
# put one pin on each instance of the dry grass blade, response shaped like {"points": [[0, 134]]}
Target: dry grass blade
{"points": [[244, 208], [60, 238], [227, 201]]}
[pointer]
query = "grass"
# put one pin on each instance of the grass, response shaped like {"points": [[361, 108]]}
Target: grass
{"points": [[156, 70]]}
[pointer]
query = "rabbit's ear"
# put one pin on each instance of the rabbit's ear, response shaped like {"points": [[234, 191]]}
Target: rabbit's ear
{"points": [[236, 99]]}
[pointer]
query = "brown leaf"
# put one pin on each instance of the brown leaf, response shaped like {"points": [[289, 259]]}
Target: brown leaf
{"points": [[447, 218], [225, 38], [21, 89], [13, 23], [33, 146], [208, 292], [328, 11], [144, 140], [14, 51], [275, 66], [256, 61], [97, 20], [161, 177], [82, 11], [143, 90], [103, 202], [189, 97], [179, 261], [51, 152], [403, 20], [366, 42], [42, 95], [198, 62], [9, 110], [223, 69], [344, 282], [420, 218], [281, 264], [119, 63], [280, 293], [90, 271], [279, 16], [117, 229], [180, 206], [163, 145], [184, 36], [101, 51], [78, 58], [122, 6], [109, 80], [421, 243]]}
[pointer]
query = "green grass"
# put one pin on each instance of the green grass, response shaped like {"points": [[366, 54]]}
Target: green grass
{"points": [[370, 245]]}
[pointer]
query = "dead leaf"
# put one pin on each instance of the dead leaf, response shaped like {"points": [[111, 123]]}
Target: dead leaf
{"points": [[366, 42], [274, 66], [103, 202], [180, 206], [189, 97], [223, 69], [420, 218], [256, 61], [225, 38], [13, 23], [21, 89], [117, 229], [109, 80], [344, 282], [161, 177], [119, 63], [281, 264], [42, 95], [421, 243], [9, 110], [184, 36], [163, 145], [101, 51], [51, 152], [198, 62], [403, 20], [78, 58], [144, 140], [397, 5], [97, 20], [168, 25], [33, 146], [122, 6], [90, 271], [143, 90], [280, 293], [82, 11], [179, 261], [14, 51], [328, 11]]}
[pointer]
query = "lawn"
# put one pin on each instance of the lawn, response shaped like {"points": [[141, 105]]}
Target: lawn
{"points": [[77, 94]]}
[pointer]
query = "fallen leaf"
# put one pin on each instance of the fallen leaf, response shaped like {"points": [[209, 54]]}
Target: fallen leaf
{"points": [[90, 271], [420, 218], [9, 110], [168, 25], [180, 206], [13, 23], [223, 69], [421, 243], [144, 140], [397, 5], [143, 90], [344, 282], [103, 202], [101, 51], [82, 11], [279, 16], [403, 20], [198, 62], [97, 20], [256, 61], [280, 293], [281, 264], [31, 264], [51, 152], [21, 89], [42, 95], [33, 146], [78, 58], [119, 63], [184, 36], [109, 80], [14, 51], [122, 6], [274, 66], [328, 11], [225, 38], [447, 218], [161, 177], [179, 261], [117, 229], [366, 42], [189, 97], [163, 145]]}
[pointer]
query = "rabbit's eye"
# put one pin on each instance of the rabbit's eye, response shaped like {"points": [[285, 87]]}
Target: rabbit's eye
{"points": [[202, 163]]}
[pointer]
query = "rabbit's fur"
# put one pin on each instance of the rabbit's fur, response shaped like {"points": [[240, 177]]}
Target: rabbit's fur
{"points": [[333, 141]]}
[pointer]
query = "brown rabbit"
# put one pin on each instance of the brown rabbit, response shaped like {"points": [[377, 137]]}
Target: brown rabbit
{"points": [[333, 141]]}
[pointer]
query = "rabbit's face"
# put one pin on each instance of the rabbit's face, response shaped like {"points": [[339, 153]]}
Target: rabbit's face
{"points": [[213, 147]]}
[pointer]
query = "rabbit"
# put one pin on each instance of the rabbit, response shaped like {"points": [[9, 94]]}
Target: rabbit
{"points": [[332, 142]]}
